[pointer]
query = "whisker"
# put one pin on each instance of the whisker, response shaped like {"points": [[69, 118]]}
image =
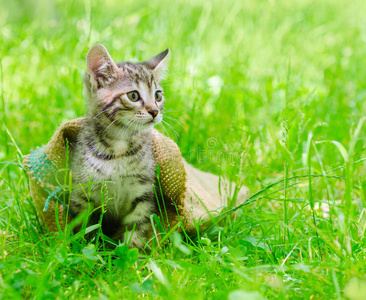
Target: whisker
{"points": [[171, 127], [100, 113], [133, 126], [177, 121], [123, 129], [174, 119], [133, 131], [139, 127], [170, 110], [115, 121], [166, 132]]}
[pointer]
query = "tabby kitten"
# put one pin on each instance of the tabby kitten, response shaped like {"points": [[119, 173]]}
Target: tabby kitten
{"points": [[125, 101]]}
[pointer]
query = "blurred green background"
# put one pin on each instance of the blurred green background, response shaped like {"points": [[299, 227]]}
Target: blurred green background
{"points": [[262, 69], [252, 88]]}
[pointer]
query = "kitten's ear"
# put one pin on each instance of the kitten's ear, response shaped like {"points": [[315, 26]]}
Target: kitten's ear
{"points": [[100, 65], [158, 63]]}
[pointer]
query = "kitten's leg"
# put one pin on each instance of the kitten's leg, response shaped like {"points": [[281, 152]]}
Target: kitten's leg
{"points": [[139, 237], [138, 217], [79, 203]]}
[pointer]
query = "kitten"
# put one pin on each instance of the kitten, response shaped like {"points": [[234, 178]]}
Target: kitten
{"points": [[125, 101]]}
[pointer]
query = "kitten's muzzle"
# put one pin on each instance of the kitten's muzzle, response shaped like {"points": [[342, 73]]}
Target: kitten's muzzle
{"points": [[153, 112]]}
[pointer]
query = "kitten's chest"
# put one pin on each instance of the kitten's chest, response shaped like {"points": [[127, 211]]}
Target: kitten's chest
{"points": [[116, 177], [125, 179], [124, 169]]}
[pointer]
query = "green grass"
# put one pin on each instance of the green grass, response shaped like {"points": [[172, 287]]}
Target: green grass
{"points": [[267, 92]]}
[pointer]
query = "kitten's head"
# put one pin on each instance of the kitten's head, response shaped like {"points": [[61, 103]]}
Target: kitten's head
{"points": [[125, 94]]}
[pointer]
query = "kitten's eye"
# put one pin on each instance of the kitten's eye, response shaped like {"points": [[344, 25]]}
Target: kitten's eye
{"points": [[133, 96], [158, 96]]}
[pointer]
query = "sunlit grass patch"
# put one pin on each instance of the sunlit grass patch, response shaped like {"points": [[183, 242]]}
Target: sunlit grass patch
{"points": [[269, 94]]}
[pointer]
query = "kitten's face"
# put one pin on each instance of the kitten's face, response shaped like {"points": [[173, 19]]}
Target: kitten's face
{"points": [[126, 95]]}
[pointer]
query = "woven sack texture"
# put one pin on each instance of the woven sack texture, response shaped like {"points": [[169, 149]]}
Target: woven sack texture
{"points": [[195, 193]]}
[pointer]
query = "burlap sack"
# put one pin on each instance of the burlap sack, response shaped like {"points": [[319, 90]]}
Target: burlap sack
{"points": [[195, 193]]}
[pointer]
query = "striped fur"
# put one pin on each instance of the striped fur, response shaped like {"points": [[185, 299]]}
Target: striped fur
{"points": [[114, 147]]}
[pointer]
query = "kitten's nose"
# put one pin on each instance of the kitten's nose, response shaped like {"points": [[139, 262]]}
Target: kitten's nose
{"points": [[153, 112]]}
